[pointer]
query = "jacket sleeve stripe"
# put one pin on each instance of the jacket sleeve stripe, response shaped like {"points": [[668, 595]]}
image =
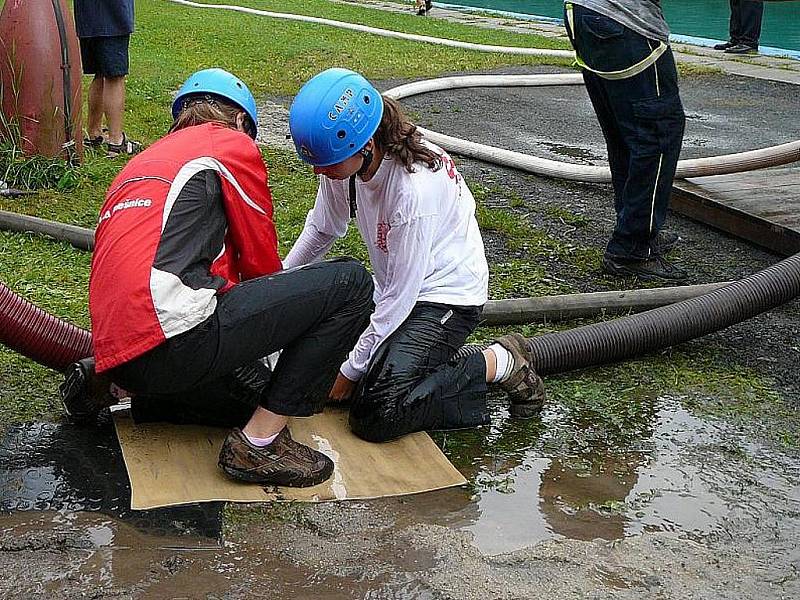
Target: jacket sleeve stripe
{"points": [[193, 167]]}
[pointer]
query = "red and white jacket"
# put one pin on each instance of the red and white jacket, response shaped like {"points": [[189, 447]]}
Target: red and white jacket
{"points": [[183, 222]]}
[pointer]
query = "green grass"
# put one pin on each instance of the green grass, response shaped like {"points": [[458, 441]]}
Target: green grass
{"points": [[278, 62]]}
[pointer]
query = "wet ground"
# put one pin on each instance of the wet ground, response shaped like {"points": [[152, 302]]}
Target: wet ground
{"points": [[654, 499], [690, 507]]}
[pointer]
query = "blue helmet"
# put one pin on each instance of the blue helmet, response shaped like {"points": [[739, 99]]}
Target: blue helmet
{"points": [[220, 83], [333, 116]]}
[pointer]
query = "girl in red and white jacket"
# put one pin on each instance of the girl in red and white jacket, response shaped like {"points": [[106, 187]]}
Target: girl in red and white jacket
{"points": [[187, 294]]}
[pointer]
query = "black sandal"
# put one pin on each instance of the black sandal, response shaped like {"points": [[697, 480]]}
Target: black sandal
{"points": [[126, 146], [95, 142]]}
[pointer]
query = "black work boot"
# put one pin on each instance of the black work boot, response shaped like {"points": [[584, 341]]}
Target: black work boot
{"points": [[725, 45], [85, 394], [283, 462], [664, 242], [524, 387], [655, 268]]}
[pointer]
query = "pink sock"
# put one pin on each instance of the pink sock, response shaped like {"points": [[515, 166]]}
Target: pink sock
{"points": [[260, 442]]}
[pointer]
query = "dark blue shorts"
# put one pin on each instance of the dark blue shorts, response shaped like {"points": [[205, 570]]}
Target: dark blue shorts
{"points": [[105, 56]]}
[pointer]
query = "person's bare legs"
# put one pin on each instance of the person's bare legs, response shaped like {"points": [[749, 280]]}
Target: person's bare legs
{"points": [[264, 423], [114, 107], [94, 122]]}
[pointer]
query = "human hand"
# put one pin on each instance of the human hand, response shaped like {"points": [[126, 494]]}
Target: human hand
{"points": [[342, 388]]}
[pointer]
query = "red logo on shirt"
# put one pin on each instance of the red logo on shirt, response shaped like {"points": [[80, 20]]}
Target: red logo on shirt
{"points": [[450, 166], [380, 240]]}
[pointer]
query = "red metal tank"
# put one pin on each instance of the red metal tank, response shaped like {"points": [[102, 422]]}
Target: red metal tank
{"points": [[40, 77]]}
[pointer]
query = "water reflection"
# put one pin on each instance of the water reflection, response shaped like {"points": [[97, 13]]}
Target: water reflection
{"points": [[686, 474], [583, 498], [62, 467]]}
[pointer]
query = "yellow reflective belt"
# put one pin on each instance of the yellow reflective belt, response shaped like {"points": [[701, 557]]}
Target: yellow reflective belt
{"points": [[624, 73]]}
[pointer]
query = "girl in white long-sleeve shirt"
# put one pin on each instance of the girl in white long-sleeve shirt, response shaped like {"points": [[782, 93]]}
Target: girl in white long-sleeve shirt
{"points": [[417, 218]]}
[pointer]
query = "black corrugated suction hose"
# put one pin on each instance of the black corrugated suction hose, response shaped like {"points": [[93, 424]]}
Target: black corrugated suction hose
{"points": [[633, 336]]}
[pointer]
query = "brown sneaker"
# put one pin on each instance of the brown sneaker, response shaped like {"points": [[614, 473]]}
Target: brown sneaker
{"points": [[283, 462], [524, 387]]}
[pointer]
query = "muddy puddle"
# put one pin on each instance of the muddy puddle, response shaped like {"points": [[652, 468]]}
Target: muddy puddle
{"points": [[93, 555], [65, 528], [576, 154], [689, 477]]}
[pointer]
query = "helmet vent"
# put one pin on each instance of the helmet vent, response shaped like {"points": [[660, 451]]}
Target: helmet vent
{"points": [[341, 134], [366, 99]]}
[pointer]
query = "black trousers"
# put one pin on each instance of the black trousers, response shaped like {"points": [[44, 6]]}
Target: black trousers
{"points": [[745, 25], [211, 374], [642, 120], [413, 385]]}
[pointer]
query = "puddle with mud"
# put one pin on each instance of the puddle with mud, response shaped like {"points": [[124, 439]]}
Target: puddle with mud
{"points": [[95, 555], [531, 481], [690, 478], [66, 468], [579, 155]]}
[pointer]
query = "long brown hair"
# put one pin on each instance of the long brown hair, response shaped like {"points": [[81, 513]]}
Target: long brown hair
{"points": [[398, 136], [209, 108]]}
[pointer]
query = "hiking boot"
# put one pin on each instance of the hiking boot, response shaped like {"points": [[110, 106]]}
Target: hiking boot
{"points": [[283, 462], [724, 45], [84, 394], [664, 242], [741, 49], [655, 268], [524, 387]]}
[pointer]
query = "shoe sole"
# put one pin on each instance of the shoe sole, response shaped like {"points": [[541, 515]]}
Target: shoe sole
{"points": [[251, 477]]}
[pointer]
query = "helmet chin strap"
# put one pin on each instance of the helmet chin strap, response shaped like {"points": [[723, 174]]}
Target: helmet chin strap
{"points": [[367, 157], [366, 161]]}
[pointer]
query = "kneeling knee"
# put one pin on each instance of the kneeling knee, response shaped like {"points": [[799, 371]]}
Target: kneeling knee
{"points": [[372, 428], [354, 275]]}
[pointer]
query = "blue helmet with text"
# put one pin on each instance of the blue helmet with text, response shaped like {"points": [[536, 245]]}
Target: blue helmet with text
{"points": [[333, 116]]}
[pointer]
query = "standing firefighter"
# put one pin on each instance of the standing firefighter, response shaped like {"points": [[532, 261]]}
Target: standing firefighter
{"points": [[186, 295], [417, 218], [629, 70]]}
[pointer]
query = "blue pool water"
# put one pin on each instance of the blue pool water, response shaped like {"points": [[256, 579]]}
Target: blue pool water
{"points": [[705, 19]]}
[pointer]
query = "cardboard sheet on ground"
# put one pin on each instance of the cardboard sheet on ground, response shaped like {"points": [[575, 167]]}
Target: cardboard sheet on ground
{"points": [[170, 465]]}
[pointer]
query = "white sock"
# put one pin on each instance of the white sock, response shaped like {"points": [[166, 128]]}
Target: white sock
{"points": [[505, 363], [260, 442]]}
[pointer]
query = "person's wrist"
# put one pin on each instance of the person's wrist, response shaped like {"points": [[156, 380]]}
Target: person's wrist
{"points": [[347, 371]]}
